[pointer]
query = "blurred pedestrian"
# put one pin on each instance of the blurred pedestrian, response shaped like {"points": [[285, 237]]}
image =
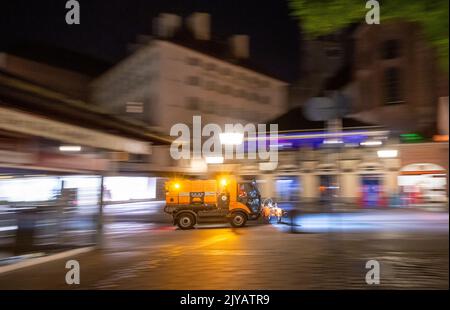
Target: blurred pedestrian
{"points": [[293, 214]]}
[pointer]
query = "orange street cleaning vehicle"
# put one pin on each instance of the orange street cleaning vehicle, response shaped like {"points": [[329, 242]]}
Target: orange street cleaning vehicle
{"points": [[189, 200]]}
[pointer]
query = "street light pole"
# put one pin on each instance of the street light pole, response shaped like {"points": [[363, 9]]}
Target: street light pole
{"points": [[335, 126], [100, 213]]}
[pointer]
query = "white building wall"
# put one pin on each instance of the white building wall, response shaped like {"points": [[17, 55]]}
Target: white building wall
{"points": [[390, 182], [160, 75], [173, 83], [134, 79], [349, 184], [310, 184], [215, 94]]}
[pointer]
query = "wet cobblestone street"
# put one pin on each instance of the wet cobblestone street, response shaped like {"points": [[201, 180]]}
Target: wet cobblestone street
{"points": [[255, 257]]}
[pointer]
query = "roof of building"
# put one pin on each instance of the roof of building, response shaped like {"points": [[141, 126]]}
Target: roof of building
{"points": [[21, 94], [59, 57], [215, 47]]}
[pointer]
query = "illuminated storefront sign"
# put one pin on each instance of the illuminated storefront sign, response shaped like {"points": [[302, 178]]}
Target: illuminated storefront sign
{"points": [[411, 138]]}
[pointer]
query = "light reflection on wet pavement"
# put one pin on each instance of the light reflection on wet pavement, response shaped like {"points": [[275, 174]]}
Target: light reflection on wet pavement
{"points": [[373, 221], [260, 257]]}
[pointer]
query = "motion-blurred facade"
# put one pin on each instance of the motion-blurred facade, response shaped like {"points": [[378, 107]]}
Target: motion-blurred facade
{"points": [[182, 71], [73, 141]]}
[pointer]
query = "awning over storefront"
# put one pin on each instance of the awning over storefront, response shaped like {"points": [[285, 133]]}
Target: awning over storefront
{"points": [[17, 121], [420, 169]]}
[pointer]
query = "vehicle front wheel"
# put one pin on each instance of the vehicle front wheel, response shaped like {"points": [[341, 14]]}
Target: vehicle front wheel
{"points": [[238, 219], [185, 221]]}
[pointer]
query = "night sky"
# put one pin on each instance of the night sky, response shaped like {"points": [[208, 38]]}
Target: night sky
{"points": [[107, 27]]}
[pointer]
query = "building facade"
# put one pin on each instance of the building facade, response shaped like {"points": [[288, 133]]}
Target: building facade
{"points": [[397, 81], [165, 82], [392, 77]]}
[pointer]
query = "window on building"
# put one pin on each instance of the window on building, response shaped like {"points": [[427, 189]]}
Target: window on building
{"points": [[210, 66], [209, 106], [220, 88], [193, 80], [226, 89], [253, 97], [391, 49], [243, 94], [261, 83], [193, 103], [226, 71], [265, 84], [193, 61], [265, 100], [392, 86], [233, 92], [134, 107], [210, 85]]}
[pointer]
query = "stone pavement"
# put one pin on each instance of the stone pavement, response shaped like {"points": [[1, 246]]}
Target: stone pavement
{"points": [[255, 257]]}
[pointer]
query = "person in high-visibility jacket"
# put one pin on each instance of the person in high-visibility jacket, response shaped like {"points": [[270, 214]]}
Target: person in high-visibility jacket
{"points": [[265, 212], [277, 212]]}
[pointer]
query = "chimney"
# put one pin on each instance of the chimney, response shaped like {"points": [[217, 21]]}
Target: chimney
{"points": [[199, 24], [240, 46], [165, 25]]}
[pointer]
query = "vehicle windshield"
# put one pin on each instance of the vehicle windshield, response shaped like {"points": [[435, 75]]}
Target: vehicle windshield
{"points": [[252, 196]]}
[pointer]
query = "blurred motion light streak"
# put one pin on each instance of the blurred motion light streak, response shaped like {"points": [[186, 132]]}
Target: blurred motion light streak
{"points": [[214, 160], [70, 148], [387, 153], [371, 143]]}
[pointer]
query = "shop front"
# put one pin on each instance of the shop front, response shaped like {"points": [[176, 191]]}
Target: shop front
{"points": [[423, 184], [288, 188], [371, 191]]}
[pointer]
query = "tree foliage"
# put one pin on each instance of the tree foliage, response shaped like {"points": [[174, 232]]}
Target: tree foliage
{"points": [[319, 17]]}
